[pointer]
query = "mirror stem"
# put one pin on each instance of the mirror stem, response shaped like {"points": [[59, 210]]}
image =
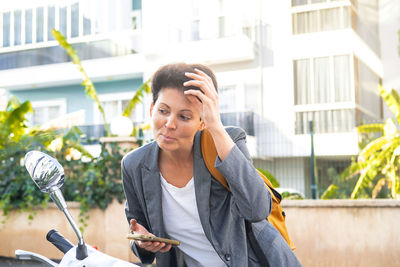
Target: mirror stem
{"points": [[57, 197]]}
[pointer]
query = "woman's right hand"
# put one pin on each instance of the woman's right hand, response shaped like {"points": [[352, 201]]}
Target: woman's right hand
{"points": [[153, 246]]}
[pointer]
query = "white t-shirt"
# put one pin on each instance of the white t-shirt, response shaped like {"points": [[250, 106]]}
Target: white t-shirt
{"points": [[182, 222]]}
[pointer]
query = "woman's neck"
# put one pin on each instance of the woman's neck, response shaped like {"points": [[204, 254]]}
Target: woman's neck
{"points": [[176, 168], [176, 157]]}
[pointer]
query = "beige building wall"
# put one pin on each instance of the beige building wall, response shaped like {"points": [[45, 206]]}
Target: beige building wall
{"points": [[345, 232]]}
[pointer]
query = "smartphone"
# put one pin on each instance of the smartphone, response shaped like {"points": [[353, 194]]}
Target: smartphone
{"points": [[141, 237]]}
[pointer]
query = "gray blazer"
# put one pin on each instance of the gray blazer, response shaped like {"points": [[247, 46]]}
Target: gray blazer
{"points": [[222, 213]]}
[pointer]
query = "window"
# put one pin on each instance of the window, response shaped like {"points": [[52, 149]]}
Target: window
{"points": [[86, 12], [221, 19], [321, 20], [87, 26], [75, 20], [101, 16], [327, 81], [342, 78], [308, 2], [112, 19], [195, 30], [39, 24], [6, 29], [252, 96], [227, 98], [299, 2], [302, 82], [324, 88], [325, 121], [28, 26], [221, 26], [45, 111], [321, 90], [51, 22], [17, 27], [114, 105], [63, 21]]}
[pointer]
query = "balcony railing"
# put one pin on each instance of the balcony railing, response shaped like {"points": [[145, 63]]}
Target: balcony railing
{"points": [[102, 48]]}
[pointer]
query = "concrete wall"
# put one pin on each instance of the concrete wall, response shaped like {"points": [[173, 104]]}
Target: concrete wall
{"points": [[345, 232], [325, 232]]}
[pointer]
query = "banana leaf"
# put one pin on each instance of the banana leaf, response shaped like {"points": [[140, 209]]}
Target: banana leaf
{"points": [[87, 82]]}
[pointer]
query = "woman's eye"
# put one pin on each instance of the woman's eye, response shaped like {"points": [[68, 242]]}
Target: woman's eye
{"points": [[162, 111], [185, 118]]}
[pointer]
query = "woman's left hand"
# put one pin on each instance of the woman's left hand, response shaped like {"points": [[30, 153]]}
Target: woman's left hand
{"points": [[208, 107]]}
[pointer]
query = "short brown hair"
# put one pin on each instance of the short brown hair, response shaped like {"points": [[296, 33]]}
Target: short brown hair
{"points": [[173, 75]]}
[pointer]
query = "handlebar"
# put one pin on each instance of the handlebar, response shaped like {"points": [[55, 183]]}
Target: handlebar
{"points": [[59, 241]]}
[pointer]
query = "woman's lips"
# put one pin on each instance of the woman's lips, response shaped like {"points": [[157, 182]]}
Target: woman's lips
{"points": [[167, 138]]}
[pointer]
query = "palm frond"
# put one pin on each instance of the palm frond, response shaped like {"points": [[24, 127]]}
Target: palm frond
{"points": [[391, 100], [372, 148], [359, 182], [371, 128], [378, 187], [353, 170], [393, 179], [90, 90], [376, 164], [331, 192], [137, 98], [390, 128], [396, 153]]}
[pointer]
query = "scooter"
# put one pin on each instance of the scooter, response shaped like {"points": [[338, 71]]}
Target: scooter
{"points": [[48, 176]]}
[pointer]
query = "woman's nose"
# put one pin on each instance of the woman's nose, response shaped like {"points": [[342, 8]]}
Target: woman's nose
{"points": [[170, 122]]}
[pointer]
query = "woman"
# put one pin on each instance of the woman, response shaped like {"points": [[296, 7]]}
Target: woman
{"points": [[169, 191]]}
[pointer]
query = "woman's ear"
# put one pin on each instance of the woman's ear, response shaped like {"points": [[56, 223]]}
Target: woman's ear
{"points": [[202, 125], [151, 109]]}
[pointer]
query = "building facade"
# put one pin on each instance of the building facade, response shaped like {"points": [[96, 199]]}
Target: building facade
{"points": [[279, 64]]}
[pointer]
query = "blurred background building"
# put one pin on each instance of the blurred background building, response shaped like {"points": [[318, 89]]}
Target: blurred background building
{"points": [[279, 64]]}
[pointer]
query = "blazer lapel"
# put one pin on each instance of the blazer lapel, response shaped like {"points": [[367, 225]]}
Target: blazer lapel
{"points": [[202, 182], [152, 191]]}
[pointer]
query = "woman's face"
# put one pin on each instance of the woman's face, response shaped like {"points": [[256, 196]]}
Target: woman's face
{"points": [[175, 120]]}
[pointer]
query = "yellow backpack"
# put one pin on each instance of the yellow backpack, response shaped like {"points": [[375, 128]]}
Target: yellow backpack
{"points": [[277, 216]]}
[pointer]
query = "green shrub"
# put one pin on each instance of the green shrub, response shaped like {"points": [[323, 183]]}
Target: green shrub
{"points": [[94, 182]]}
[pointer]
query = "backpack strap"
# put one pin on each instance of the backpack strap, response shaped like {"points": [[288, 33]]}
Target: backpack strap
{"points": [[276, 218], [210, 154]]}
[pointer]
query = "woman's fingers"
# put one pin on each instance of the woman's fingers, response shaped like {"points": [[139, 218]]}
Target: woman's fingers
{"points": [[166, 248], [203, 74], [134, 225], [197, 93], [193, 75], [195, 83], [201, 80], [148, 245], [154, 246], [137, 228]]}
